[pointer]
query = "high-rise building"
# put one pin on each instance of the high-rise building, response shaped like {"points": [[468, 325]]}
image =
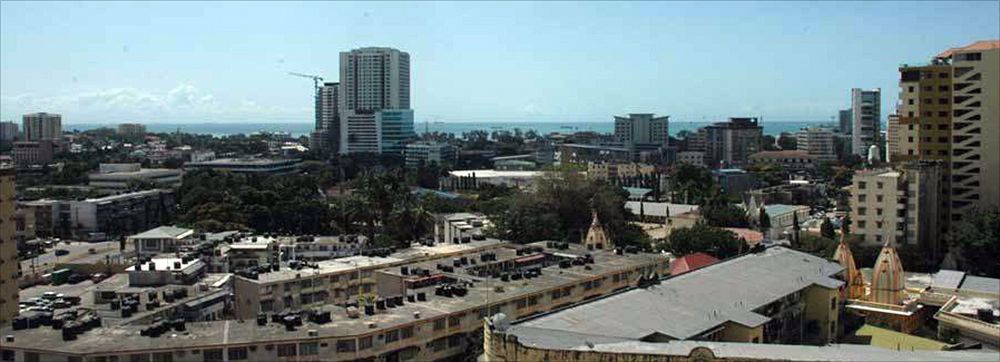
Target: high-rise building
{"points": [[643, 130], [374, 100], [975, 126], [866, 113], [817, 142], [844, 121], [729, 144], [899, 206], [8, 248], [326, 137], [8, 131], [42, 126], [948, 111]]}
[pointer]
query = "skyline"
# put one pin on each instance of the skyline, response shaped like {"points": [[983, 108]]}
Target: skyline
{"points": [[558, 62]]}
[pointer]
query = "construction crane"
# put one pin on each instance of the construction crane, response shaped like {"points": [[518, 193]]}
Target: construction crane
{"points": [[316, 79]]}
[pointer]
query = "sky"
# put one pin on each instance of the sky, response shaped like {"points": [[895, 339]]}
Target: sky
{"points": [[192, 62]]}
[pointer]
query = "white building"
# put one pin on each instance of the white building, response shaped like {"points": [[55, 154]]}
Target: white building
{"points": [[473, 179], [696, 158], [429, 152], [374, 101], [459, 228], [818, 142], [116, 176], [162, 239], [642, 129], [866, 115]]}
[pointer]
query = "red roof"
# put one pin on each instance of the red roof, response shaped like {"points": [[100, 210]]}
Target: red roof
{"points": [[752, 237], [979, 45], [691, 262]]}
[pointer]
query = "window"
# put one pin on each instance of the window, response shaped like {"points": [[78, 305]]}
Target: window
{"points": [[943, 114], [861, 224], [212, 355], [878, 211], [879, 199], [286, 350], [942, 75], [879, 185], [910, 101], [6, 355], [454, 340], [406, 332], [454, 321], [309, 349], [363, 343], [878, 238], [237, 353], [833, 303], [140, 357], [74, 359], [862, 198], [909, 89], [862, 185], [862, 210], [533, 300], [391, 336], [163, 357], [521, 303], [439, 324]]}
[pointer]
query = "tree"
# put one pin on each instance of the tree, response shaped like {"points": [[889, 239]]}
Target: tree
{"points": [[763, 222], [978, 236], [795, 227], [691, 184], [787, 141], [718, 242], [826, 229]]}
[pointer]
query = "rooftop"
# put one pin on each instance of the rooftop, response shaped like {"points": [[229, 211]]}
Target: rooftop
{"points": [[979, 45], [659, 208], [693, 303], [164, 232], [494, 173]]}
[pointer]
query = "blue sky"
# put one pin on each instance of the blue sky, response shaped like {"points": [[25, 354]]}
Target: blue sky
{"points": [[560, 61]]}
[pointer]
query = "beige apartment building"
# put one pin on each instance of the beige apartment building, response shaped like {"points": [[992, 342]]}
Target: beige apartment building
{"points": [[8, 248], [607, 170], [949, 110], [436, 314], [899, 206]]}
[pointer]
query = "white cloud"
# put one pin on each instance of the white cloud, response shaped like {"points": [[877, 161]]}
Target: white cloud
{"points": [[184, 102]]}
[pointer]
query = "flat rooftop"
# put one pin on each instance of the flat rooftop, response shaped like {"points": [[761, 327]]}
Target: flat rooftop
{"points": [[482, 292], [494, 173], [696, 302]]}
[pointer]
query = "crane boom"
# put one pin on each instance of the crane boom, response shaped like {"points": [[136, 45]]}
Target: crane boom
{"points": [[316, 79]]}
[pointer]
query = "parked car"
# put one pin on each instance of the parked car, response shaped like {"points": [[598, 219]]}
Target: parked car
{"points": [[76, 278], [62, 252], [92, 251], [98, 277], [50, 295]]}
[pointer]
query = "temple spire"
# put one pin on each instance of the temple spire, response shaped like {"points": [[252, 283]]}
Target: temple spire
{"points": [[887, 279], [596, 237], [855, 281]]}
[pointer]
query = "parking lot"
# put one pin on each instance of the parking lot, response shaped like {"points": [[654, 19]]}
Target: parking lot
{"points": [[45, 263]]}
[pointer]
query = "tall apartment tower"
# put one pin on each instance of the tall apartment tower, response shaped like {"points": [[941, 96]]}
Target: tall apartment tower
{"points": [[8, 131], [948, 111], [8, 248], [326, 137], [844, 121], [866, 113], [975, 126], [643, 130], [42, 126], [374, 101]]}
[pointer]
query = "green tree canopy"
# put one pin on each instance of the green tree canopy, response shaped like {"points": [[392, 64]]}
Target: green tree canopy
{"points": [[718, 242], [978, 236]]}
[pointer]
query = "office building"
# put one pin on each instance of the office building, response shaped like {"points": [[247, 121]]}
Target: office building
{"points": [[729, 144], [844, 121], [427, 153], [643, 131], [866, 117], [271, 166], [374, 101], [8, 132], [696, 158], [28, 153], [42, 126], [117, 177], [818, 142], [581, 154], [614, 171], [794, 160], [134, 132], [899, 206], [9, 263], [734, 181]]}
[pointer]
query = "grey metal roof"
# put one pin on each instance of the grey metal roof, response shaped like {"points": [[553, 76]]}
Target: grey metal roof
{"points": [[981, 284], [947, 279], [693, 303], [576, 341]]}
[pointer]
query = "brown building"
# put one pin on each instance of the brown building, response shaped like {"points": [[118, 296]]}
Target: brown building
{"points": [[27, 153], [8, 249]]}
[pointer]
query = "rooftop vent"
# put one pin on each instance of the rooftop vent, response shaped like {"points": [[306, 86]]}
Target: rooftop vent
{"points": [[313, 333], [416, 315]]}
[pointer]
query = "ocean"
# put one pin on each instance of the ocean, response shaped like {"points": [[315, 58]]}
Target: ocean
{"points": [[297, 129]]}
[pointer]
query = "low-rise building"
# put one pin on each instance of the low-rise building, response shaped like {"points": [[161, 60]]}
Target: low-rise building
{"points": [[164, 271], [818, 142], [782, 218], [734, 181], [101, 218], [248, 165], [427, 153], [421, 312], [473, 179], [28, 153], [120, 176], [581, 154], [696, 158], [796, 160], [459, 227], [163, 239], [612, 171]]}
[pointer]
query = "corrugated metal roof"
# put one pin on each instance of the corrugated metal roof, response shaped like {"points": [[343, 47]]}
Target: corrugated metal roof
{"points": [[981, 284], [692, 303], [947, 279]]}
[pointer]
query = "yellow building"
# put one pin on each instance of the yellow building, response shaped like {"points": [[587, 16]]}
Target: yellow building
{"points": [[8, 248]]}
